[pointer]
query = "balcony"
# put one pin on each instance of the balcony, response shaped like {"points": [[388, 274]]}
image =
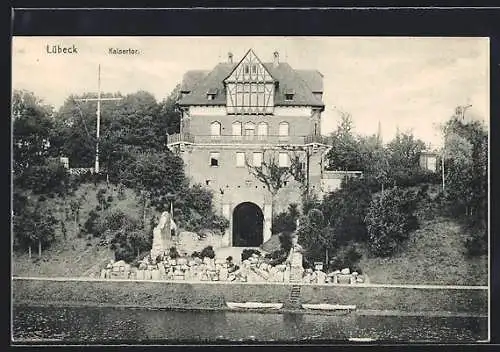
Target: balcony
{"points": [[229, 139]]}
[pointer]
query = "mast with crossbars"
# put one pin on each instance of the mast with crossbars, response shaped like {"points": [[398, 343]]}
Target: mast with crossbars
{"points": [[99, 99]]}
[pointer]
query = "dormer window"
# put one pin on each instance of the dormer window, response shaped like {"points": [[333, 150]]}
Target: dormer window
{"points": [[212, 93], [289, 93]]}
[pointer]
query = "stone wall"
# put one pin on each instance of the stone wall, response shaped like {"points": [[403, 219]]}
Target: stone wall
{"points": [[214, 295]]}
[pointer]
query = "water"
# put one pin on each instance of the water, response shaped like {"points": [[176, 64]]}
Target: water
{"points": [[115, 325]]}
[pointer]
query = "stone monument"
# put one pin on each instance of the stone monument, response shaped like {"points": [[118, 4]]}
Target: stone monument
{"points": [[161, 235], [294, 260]]}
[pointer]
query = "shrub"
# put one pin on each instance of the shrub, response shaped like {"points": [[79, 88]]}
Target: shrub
{"points": [[91, 225], [277, 257], [287, 220], [389, 220], [173, 253], [195, 254], [124, 252], [347, 256], [345, 210], [247, 253], [218, 223], [285, 240], [207, 252]]}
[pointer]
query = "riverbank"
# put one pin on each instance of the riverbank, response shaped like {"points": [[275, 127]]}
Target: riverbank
{"points": [[214, 295]]}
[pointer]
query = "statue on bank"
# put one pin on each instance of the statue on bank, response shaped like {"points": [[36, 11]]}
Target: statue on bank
{"points": [[162, 233], [294, 260]]}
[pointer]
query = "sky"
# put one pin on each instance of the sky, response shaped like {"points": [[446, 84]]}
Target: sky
{"points": [[406, 83]]}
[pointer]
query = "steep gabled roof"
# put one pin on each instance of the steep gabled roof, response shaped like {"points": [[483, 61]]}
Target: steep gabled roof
{"points": [[313, 78], [302, 82], [192, 78], [249, 52], [213, 80]]}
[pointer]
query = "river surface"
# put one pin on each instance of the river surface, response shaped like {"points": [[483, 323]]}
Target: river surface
{"points": [[83, 325]]}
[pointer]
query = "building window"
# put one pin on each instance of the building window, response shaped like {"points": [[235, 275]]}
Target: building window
{"points": [[214, 159], [247, 70], [254, 68], [283, 129], [289, 93], [262, 129], [249, 130], [284, 160], [215, 128], [240, 159], [257, 159], [237, 129]]}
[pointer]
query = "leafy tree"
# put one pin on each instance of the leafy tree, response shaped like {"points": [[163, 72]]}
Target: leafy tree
{"points": [[169, 115], [466, 177], [315, 235], [345, 210], [389, 220], [32, 131], [404, 152], [32, 225], [287, 220], [345, 153], [274, 176]]}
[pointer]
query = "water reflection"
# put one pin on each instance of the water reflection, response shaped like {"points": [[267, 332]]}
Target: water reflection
{"points": [[87, 325]]}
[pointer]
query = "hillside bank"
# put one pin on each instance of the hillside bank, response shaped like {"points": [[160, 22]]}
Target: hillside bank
{"points": [[187, 295]]}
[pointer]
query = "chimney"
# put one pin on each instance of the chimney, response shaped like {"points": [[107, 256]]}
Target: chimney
{"points": [[230, 58], [276, 59]]}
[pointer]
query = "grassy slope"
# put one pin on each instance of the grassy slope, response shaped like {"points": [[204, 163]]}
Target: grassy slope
{"points": [[435, 254], [74, 256]]}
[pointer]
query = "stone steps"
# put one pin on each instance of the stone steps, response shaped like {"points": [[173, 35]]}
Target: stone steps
{"points": [[295, 293]]}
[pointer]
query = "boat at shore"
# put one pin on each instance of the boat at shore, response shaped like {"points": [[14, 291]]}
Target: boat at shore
{"points": [[254, 305], [325, 306]]}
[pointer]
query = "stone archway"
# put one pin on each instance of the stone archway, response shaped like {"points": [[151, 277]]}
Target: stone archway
{"points": [[248, 225]]}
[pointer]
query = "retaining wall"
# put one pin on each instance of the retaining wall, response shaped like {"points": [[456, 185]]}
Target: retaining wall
{"points": [[191, 295]]}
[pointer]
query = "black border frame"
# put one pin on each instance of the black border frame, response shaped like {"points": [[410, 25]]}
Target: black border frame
{"points": [[349, 21]]}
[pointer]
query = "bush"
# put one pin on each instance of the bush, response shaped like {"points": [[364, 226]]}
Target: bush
{"points": [[207, 252], [389, 220], [347, 257], [345, 210], [277, 257], [173, 253], [124, 252], [91, 225], [286, 221], [195, 254], [247, 253], [218, 223], [285, 240]]}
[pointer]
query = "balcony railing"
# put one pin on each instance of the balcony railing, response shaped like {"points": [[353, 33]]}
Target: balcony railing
{"points": [[230, 139]]}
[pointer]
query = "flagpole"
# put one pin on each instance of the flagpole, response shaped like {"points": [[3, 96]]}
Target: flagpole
{"points": [[96, 169]]}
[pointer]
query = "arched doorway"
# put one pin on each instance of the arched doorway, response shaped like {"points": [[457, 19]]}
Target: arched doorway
{"points": [[248, 225]]}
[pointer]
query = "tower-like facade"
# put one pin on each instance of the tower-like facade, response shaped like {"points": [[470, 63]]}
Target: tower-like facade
{"points": [[241, 115]]}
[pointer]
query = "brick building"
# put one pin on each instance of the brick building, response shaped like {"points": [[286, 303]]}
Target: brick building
{"points": [[243, 113]]}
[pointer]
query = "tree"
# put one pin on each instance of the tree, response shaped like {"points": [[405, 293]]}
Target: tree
{"points": [[32, 225], [315, 235], [345, 210], [404, 152], [286, 221], [389, 220], [170, 117], [466, 177], [344, 153], [274, 176], [154, 175]]}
